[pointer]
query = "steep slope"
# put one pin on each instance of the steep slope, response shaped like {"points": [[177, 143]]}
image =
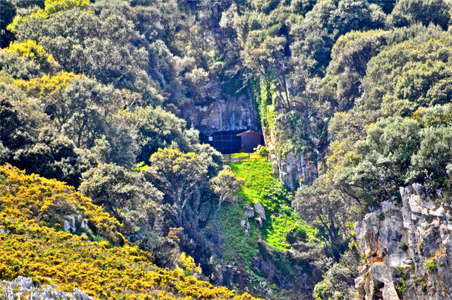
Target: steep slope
{"points": [[266, 245], [33, 212], [353, 98]]}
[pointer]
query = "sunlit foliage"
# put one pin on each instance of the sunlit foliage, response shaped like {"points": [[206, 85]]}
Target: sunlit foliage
{"points": [[50, 7], [30, 247]]}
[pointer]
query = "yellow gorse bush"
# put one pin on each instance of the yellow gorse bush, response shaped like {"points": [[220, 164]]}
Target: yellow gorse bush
{"points": [[188, 264], [50, 201], [50, 7], [47, 84], [53, 6], [31, 49], [31, 247]]}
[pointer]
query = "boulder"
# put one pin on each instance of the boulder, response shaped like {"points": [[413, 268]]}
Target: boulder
{"points": [[23, 288]]}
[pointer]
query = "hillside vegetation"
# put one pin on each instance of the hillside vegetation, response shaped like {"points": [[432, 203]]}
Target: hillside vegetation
{"points": [[107, 183], [260, 186], [33, 245], [247, 230]]}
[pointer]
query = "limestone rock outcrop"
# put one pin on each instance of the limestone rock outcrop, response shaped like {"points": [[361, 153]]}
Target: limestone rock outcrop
{"points": [[23, 288], [293, 169], [407, 250]]}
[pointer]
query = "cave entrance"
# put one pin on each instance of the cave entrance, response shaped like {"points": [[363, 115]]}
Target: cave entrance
{"points": [[234, 141]]}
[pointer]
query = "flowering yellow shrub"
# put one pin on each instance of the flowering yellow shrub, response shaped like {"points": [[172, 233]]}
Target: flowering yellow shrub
{"points": [[31, 247], [51, 201], [32, 50], [47, 84], [188, 264], [53, 6], [50, 7]]}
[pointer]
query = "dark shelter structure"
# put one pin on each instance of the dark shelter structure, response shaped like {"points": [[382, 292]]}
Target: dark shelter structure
{"points": [[250, 140], [234, 141]]}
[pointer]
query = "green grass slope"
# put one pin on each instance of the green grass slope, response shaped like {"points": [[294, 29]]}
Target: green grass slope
{"points": [[241, 249]]}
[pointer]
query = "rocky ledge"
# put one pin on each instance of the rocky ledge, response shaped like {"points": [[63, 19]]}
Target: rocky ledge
{"points": [[23, 288], [406, 250]]}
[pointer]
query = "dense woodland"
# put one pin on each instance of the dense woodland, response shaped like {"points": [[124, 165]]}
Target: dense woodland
{"points": [[92, 102]]}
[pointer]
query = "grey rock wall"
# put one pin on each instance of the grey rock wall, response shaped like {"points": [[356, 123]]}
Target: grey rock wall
{"points": [[407, 250], [293, 169], [224, 114]]}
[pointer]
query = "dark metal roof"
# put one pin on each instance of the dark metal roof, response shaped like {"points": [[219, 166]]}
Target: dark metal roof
{"points": [[227, 132], [249, 132]]}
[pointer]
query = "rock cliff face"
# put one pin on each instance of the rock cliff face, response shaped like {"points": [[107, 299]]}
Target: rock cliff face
{"points": [[226, 113], [293, 168], [294, 149], [407, 250]]}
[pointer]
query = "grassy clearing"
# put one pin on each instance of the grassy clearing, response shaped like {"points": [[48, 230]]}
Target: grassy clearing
{"points": [[240, 248], [261, 186], [283, 224]]}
